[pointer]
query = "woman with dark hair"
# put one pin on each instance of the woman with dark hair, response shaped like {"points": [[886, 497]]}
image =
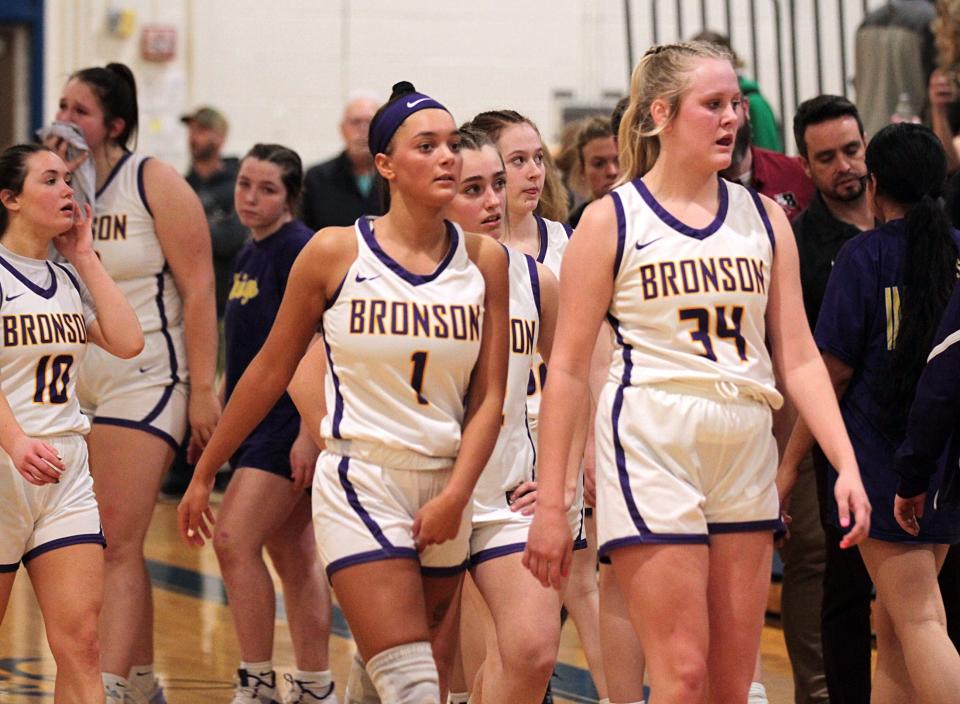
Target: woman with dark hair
{"points": [[276, 460], [886, 294], [415, 320], [150, 232], [597, 163], [48, 513]]}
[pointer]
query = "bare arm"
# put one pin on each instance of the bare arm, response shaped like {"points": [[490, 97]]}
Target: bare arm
{"points": [[586, 288], [805, 377], [185, 239], [116, 329], [306, 390], [439, 518]]}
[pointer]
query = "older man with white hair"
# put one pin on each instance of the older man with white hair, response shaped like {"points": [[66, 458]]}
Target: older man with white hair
{"points": [[339, 191]]}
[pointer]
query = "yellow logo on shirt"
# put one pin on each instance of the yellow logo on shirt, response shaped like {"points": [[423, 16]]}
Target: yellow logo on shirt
{"points": [[244, 288]]}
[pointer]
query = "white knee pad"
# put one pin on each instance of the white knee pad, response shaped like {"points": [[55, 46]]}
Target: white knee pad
{"points": [[360, 689], [406, 674]]}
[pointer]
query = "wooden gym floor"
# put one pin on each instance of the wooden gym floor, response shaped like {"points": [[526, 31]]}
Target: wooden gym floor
{"points": [[196, 650]]}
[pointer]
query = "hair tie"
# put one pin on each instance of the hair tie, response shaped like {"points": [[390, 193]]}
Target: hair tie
{"points": [[394, 114]]}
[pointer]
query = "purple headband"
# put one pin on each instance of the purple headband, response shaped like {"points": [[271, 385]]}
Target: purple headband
{"points": [[382, 131]]}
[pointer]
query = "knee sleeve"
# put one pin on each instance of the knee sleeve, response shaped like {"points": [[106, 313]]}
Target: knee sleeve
{"points": [[406, 674], [360, 689]]}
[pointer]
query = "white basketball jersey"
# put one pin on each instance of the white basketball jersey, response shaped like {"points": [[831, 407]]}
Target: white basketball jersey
{"points": [[514, 455], [554, 237], [126, 241], [400, 350], [689, 305], [44, 315]]}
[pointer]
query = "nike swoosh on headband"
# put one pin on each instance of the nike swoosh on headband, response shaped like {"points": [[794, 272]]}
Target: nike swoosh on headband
{"points": [[415, 102]]}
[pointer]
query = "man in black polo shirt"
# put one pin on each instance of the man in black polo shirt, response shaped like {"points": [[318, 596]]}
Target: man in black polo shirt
{"points": [[829, 136], [339, 191]]}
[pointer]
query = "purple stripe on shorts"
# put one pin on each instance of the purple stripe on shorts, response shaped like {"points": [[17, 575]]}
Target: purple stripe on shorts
{"points": [[370, 556], [358, 508], [652, 539], [95, 538], [499, 551], [9, 568], [137, 425]]}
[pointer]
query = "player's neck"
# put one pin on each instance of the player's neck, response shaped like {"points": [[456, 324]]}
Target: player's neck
{"points": [[261, 233], [670, 180], [416, 225], [21, 240], [105, 159], [523, 234]]}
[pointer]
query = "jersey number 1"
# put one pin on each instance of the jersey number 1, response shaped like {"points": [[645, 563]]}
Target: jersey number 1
{"points": [[419, 362], [53, 382]]}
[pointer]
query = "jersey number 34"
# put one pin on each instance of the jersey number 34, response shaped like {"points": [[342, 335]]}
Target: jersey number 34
{"points": [[710, 323]]}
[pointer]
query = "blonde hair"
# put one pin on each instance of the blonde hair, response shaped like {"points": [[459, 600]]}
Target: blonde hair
{"points": [[946, 33], [553, 198], [663, 73]]}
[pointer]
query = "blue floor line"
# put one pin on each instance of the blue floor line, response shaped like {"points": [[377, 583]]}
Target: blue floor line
{"points": [[569, 682]]}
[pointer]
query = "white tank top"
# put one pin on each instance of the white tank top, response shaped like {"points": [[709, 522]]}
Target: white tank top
{"points": [[400, 350], [513, 456], [689, 305], [126, 241], [554, 237], [44, 315]]}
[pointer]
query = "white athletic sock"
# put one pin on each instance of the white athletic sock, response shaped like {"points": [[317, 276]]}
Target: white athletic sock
{"points": [[458, 697], [406, 674], [758, 693], [319, 679], [115, 686], [360, 689], [143, 678]]}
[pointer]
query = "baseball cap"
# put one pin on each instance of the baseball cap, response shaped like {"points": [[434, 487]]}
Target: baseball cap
{"points": [[206, 117]]}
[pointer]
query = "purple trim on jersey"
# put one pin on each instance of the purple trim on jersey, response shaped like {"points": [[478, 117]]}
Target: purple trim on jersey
{"points": [[493, 553], [358, 508], [621, 231], [414, 279], [773, 524], [764, 217], [451, 571], [113, 173], [42, 292], [95, 538], [162, 312], [567, 229], [139, 425], [533, 445], [645, 534], [73, 279], [680, 227], [544, 238], [370, 556], [336, 294], [9, 568], [141, 189], [534, 282], [338, 403]]}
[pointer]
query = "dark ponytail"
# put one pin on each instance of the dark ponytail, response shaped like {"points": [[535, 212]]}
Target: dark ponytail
{"points": [[116, 89], [380, 185], [910, 168]]}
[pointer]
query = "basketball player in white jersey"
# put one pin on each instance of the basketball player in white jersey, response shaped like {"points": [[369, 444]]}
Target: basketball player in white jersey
{"points": [[536, 209], [415, 319], [690, 270], [150, 233], [521, 654], [48, 514]]}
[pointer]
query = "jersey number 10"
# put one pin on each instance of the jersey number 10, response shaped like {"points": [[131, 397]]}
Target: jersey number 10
{"points": [[52, 379]]}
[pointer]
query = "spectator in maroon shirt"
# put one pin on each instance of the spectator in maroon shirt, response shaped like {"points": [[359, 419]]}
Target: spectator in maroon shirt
{"points": [[776, 175]]}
